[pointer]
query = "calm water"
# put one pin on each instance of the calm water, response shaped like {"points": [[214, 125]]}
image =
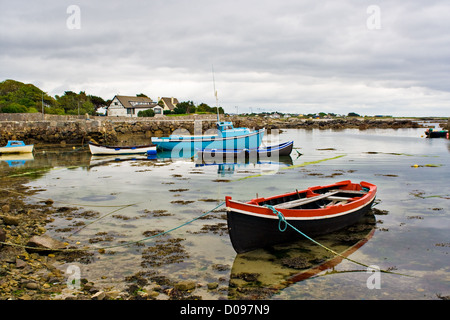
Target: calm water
{"points": [[133, 198]]}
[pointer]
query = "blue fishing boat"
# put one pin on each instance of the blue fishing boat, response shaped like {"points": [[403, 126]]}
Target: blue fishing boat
{"points": [[282, 149], [227, 137]]}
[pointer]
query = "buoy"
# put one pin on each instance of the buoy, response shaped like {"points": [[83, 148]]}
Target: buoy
{"points": [[415, 166]]}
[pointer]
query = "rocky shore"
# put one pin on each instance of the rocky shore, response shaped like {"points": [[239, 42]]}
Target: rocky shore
{"points": [[26, 273], [33, 266]]}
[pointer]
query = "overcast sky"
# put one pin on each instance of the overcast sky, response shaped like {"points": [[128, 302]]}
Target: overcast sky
{"points": [[365, 56]]}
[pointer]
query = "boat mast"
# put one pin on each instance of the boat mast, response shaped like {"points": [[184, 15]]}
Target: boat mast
{"points": [[215, 94]]}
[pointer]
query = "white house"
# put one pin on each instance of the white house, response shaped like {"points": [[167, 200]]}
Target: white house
{"points": [[129, 106]]}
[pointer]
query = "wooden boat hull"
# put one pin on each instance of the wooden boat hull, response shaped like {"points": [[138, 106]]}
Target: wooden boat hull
{"points": [[275, 269], [252, 226], [280, 150], [97, 149], [16, 147]]}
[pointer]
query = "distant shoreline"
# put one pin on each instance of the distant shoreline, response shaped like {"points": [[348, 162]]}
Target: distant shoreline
{"points": [[53, 129]]}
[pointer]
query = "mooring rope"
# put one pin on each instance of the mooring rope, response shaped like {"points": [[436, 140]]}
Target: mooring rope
{"points": [[282, 219], [104, 216], [117, 245], [69, 203]]}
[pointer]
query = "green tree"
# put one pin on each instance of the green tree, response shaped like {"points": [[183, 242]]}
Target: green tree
{"points": [[14, 108], [203, 107], [184, 107], [221, 111], [15, 96], [98, 102], [74, 104], [146, 113]]}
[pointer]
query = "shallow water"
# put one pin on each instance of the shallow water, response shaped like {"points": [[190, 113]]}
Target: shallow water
{"points": [[133, 198]]}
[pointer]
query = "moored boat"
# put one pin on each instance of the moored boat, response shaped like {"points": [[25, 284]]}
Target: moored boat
{"points": [[430, 133], [313, 211], [97, 149], [227, 137], [282, 149], [15, 146], [276, 268]]}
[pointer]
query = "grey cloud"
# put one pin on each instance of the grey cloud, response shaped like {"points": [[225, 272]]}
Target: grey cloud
{"points": [[298, 53]]}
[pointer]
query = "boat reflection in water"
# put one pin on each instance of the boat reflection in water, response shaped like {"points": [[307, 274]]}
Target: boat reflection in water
{"points": [[226, 166], [96, 161], [16, 159], [261, 273]]}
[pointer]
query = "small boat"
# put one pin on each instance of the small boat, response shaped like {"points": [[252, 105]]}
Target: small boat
{"points": [[227, 137], [283, 149], [430, 133], [281, 266], [313, 211], [97, 149], [15, 146]]}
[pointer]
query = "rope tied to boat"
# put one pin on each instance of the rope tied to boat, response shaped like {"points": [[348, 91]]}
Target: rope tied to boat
{"points": [[283, 219]]}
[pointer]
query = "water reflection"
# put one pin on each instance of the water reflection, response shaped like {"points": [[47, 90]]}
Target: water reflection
{"points": [[226, 166], [261, 273], [168, 191], [106, 160], [16, 160]]}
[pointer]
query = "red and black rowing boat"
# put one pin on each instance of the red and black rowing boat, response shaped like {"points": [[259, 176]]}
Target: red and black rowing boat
{"points": [[259, 223]]}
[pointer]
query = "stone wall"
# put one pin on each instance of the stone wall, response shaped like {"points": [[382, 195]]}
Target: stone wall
{"points": [[101, 131]]}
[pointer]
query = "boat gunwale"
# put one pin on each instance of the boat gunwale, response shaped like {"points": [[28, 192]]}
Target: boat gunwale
{"points": [[335, 210], [210, 138], [123, 147], [272, 148]]}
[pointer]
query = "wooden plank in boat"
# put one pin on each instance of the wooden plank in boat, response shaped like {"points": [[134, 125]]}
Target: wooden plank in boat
{"points": [[339, 198], [361, 192], [295, 203]]}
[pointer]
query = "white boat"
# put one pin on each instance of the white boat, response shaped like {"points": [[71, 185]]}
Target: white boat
{"points": [[97, 149], [15, 146]]}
